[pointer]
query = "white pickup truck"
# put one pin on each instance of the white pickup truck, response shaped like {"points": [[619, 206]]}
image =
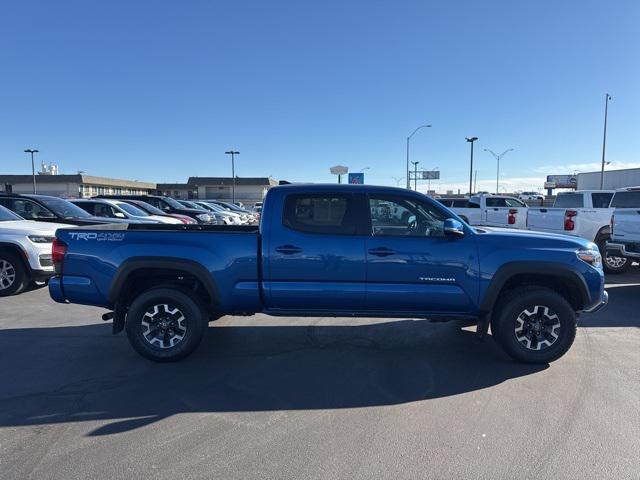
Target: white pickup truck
{"points": [[583, 213], [489, 210], [625, 224]]}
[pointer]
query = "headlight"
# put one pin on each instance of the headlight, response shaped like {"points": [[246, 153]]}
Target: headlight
{"points": [[40, 239], [204, 217], [590, 256]]}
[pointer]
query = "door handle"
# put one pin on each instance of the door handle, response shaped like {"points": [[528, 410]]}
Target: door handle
{"points": [[543, 210], [288, 249], [495, 209], [381, 252]]}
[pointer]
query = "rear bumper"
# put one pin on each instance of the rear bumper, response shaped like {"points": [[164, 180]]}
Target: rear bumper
{"points": [[55, 290], [620, 249], [604, 299], [41, 275]]}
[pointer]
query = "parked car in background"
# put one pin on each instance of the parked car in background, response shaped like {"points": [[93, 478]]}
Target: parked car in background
{"points": [[44, 208], [582, 213], [625, 224], [530, 196], [325, 251], [25, 252], [229, 217], [111, 209], [245, 215], [167, 205], [156, 212], [490, 210]]}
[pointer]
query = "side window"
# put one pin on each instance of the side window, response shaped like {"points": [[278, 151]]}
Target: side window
{"points": [[30, 210], [496, 202], [404, 217], [446, 202], [102, 210], [473, 204], [86, 206], [330, 214], [462, 203], [601, 200]]}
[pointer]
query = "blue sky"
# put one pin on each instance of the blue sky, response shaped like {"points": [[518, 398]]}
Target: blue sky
{"points": [[158, 90]]}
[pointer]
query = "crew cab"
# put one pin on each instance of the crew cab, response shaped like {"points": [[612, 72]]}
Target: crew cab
{"points": [[582, 213], [625, 224], [489, 210], [25, 252], [332, 250]]}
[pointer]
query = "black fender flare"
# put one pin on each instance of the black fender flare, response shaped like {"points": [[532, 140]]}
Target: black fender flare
{"points": [[131, 265], [552, 269]]}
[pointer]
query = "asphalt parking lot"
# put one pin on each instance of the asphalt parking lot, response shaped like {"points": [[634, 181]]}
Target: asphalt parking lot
{"points": [[316, 398]]}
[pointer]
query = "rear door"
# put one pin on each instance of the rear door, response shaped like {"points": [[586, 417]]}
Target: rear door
{"points": [[626, 216], [411, 265], [316, 257]]}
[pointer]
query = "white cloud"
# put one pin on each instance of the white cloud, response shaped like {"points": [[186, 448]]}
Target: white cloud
{"points": [[507, 185], [583, 167]]}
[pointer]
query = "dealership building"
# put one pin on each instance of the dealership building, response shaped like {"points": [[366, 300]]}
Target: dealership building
{"points": [[249, 190], [628, 177], [74, 186]]}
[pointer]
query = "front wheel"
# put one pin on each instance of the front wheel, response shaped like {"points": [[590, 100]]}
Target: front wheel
{"points": [[13, 274], [165, 325], [534, 324]]}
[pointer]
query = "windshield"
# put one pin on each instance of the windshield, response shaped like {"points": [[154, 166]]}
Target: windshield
{"points": [[7, 215], [188, 204], [147, 207], [131, 210], [216, 207], [64, 208], [173, 203]]}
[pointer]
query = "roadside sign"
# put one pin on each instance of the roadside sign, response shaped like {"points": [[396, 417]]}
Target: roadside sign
{"points": [[356, 178], [339, 170], [431, 175], [563, 181]]}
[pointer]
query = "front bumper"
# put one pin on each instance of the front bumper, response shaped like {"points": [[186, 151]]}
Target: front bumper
{"points": [[41, 275], [620, 249], [604, 299]]}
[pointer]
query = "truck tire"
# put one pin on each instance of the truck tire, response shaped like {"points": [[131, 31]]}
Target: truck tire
{"points": [[612, 264], [165, 324], [534, 324], [14, 276]]}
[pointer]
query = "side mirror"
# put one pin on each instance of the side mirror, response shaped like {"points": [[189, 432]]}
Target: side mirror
{"points": [[453, 228]]}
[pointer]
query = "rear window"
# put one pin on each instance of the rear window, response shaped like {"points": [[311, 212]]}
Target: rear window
{"points": [[601, 200], [332, 214], [569, 200], [626, 200]]}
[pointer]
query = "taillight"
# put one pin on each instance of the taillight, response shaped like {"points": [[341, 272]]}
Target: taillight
{"points": [[58, 251], [512, 216], [569, 224]]}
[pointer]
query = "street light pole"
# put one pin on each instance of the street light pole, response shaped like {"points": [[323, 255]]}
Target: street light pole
{"points": [[607, 97], [415, 175], [498, 157], [233, 174], [33, 167], [409, 138], [471, 140]]}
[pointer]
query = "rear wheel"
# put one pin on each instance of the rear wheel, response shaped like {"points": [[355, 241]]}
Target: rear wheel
{"points": [[165, 325], [13, 274], [534, 324]]}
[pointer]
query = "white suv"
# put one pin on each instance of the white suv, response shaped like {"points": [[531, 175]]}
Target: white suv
{"points": [[25, 251]]}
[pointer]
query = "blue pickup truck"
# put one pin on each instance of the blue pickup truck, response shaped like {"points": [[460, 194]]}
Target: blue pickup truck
{"points": [[332, 250]]}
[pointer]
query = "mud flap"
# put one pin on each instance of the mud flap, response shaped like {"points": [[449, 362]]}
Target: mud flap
{"points": [[119, 315], [483, 326]]}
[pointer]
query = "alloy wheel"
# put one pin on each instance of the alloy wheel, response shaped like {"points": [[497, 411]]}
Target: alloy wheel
{"points": [[7, 274], [537, 328], [163, 326]]}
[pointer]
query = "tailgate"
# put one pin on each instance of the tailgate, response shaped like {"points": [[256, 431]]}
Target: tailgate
{"points": [[546, 219], [626, 224]]}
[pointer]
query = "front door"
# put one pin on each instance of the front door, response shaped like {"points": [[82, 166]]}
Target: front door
{"points": [[316, 257], [411, 265]]}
